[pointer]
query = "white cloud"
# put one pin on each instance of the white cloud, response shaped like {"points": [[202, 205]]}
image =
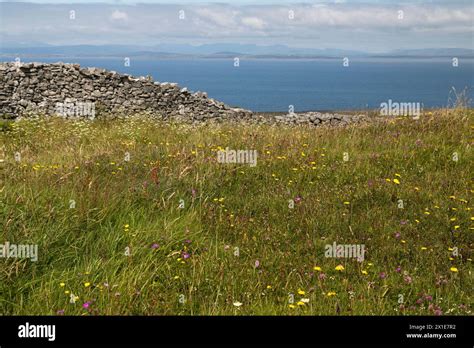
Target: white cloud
{"points": [[253, 22], [222, 16], [119, 16], [342, 25]]}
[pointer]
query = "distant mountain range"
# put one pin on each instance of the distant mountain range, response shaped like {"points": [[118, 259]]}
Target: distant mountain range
{"points": [[215, 51]]}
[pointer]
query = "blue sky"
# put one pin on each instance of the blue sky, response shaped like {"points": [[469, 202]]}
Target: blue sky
{"points": [[375, 26]]}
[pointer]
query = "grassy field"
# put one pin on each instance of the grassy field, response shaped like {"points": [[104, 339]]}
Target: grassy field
{"points": [[138, 217]]}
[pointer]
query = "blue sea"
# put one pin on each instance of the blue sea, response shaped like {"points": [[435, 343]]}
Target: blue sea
{"points": [[318, 84]]}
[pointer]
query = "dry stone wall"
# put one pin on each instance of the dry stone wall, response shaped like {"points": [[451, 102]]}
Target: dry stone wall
{"points": [[71, 91], [66, 88]]}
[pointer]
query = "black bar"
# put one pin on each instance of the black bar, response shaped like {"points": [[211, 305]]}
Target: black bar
{"points": [[192, 331]]}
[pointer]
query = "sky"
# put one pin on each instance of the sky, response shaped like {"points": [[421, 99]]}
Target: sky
{"points": [[369, 25], [244, 2]]}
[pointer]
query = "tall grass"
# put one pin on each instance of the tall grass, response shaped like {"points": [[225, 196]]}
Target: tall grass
{"points": [[112, 232]]}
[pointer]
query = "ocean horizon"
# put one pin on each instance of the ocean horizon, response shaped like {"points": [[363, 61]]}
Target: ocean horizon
{"points": [[277, 85]]}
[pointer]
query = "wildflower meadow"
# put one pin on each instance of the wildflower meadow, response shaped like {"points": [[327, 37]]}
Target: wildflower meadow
{"points": [[142, 217]]}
